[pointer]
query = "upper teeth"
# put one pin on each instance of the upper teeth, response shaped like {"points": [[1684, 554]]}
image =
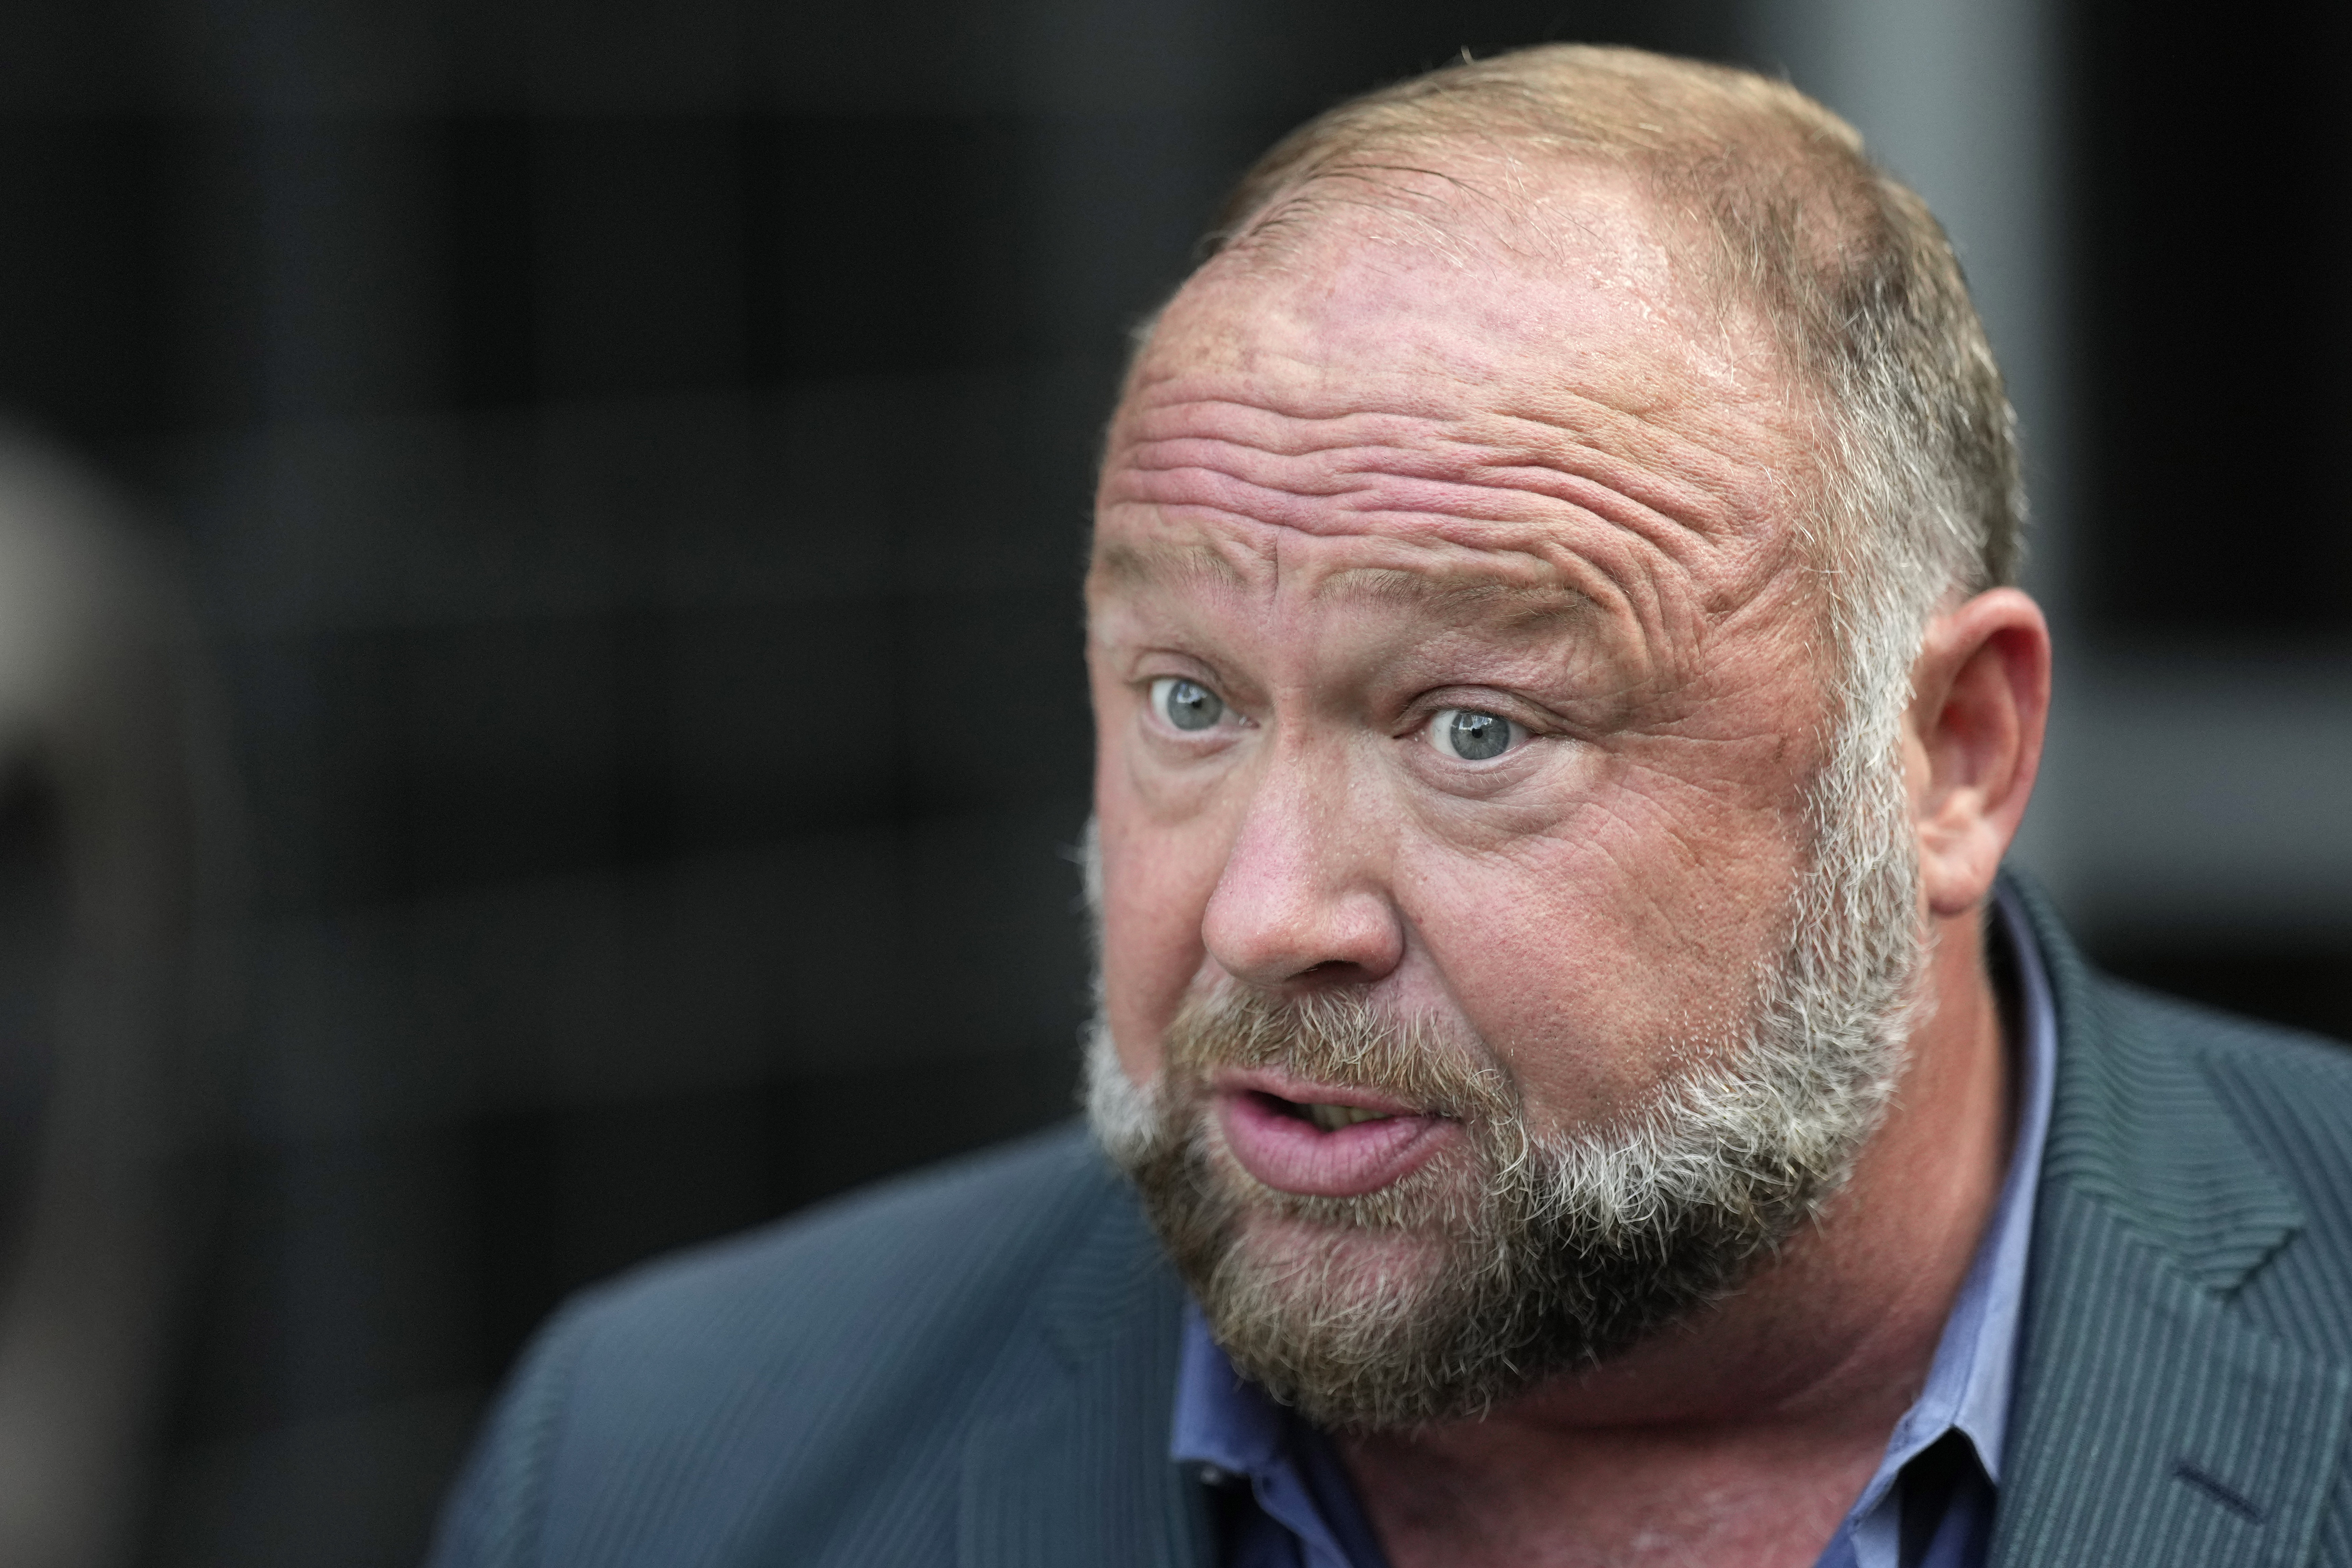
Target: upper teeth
{"points": [[1331, 1118]]}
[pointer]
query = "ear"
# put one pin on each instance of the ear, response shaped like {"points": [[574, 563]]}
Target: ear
{"points": [[1979, 701]]}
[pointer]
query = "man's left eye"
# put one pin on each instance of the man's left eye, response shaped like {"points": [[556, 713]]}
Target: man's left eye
{"points": [[1468, 734]]}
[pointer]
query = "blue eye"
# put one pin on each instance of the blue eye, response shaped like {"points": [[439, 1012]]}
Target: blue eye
{"points": [[1468, 735], [1187, 704]]}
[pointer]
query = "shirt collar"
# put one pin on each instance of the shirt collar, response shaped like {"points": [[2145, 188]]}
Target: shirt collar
{"points": [[1223, 1420], [1969, 1383]]}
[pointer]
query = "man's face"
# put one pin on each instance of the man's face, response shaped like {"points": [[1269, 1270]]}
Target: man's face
{"points": [[1459, 682]]}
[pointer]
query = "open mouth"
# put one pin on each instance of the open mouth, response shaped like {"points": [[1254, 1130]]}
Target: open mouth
{"points": [[1297, 1140], [1326, 1116]]}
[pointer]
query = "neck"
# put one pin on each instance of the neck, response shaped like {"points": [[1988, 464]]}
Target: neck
{"points": [[1804, 1370]]}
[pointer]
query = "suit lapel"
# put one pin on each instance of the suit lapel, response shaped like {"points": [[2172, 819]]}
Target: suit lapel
{"points": [[2154, 1426], [1079, 1474]]}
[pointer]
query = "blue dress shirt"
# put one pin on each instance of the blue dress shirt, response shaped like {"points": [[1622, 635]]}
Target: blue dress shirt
{"points": [[1286, 1500]]}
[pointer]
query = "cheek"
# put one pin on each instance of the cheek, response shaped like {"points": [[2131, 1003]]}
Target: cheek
{"points": [[1156, 881], [1592, 958]]}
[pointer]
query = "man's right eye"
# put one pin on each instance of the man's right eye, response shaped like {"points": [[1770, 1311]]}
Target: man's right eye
{"points": [[1187, 704]]}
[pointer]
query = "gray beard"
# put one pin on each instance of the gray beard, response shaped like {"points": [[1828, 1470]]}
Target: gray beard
{"points": [[1435, 1298]]}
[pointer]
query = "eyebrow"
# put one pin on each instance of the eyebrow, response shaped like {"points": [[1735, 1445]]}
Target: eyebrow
{"points": [[1126, 565], [1120, 564]]}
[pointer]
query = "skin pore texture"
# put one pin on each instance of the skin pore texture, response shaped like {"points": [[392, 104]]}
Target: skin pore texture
{"points": [[1374, 469]]}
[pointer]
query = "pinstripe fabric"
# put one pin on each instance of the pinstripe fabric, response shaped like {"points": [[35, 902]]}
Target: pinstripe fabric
{"points": [[965, 1367], [2184, 1387], [976, 1367], [496, 1515], [1083, 1476]]}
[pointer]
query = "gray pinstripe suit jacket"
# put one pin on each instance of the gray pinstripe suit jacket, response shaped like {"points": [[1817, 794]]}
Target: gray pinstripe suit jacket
{"points": [[975, 1366]]}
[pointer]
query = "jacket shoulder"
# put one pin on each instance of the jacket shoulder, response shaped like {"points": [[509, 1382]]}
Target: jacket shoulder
{"points": [[2211, 1029], [957, 1236], [766, 1383], [2273, 1078]]}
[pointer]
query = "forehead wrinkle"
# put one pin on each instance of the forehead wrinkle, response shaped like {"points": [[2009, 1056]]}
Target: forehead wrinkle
{"points": [[1276, 459], [1361, 484], [1344, 394], [1580, 529], [1515, 591]]}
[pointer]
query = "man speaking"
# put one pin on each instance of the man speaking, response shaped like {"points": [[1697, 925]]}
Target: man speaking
{"points": [[1568, 1086]]}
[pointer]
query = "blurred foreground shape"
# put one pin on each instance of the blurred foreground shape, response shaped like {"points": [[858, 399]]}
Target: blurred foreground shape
{"points": [[117, 879]]}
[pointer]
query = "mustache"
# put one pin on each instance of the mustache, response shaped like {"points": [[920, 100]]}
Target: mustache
{"points": [[1344, 1039]]}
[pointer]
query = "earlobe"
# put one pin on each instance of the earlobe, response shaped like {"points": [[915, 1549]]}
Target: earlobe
{"points": [[1980, 703]]}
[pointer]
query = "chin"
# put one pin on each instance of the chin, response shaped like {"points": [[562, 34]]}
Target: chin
{"points": [[1320, 1259], [1321, 1270]]}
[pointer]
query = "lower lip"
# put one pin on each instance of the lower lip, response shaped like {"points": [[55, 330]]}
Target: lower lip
{"points": [[1293, 1156]]}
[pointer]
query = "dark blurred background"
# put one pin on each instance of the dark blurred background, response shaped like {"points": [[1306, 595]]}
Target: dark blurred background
{"points": [[628, 466]]}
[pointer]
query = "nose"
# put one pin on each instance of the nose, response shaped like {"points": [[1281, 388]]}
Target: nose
{"points": [[1303, 898]]}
